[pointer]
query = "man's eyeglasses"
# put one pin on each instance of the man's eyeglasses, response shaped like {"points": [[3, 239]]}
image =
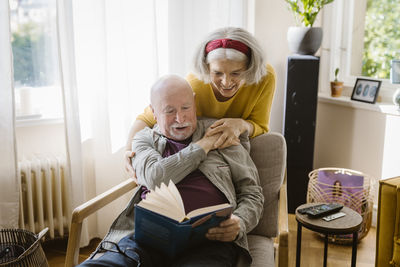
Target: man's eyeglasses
{"points": [[110, 246]]}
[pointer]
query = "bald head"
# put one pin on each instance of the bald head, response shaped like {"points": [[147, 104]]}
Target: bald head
{"points": [[172, 102], [168, 85]]}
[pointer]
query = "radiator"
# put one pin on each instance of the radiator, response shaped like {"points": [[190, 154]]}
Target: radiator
{"points": [[44, 200]]}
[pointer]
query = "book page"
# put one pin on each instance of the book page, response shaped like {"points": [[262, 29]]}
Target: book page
{"points": [[163, 201], [167, 201], [162, 208], [175, 193], [204, 210], [164, 194]]}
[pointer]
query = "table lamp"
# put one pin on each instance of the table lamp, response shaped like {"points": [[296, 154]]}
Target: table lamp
{"points": [[395, 79]]}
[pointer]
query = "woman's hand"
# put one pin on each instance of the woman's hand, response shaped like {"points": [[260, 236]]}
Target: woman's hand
{"points": [[230, 130], [207, 142], [128, 165], [227, 231]]}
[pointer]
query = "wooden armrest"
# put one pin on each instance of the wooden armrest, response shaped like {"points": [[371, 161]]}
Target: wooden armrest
{"points": [[283, 250], [83, 211]]}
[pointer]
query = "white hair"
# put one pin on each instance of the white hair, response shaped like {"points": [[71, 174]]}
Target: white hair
{"points": [[256, 63], [226, 53]]}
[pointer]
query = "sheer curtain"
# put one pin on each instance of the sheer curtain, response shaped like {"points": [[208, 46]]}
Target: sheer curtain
{"points": [[9, 193], [112, 51]]}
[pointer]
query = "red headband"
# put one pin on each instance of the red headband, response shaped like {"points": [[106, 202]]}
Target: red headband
{"points": [[227, 43]]}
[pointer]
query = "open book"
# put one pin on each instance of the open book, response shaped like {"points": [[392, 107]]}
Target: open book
{"points": [[161, 222]]}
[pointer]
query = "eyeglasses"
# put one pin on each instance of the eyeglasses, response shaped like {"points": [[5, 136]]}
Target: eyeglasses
{"points": [[110, 246]]}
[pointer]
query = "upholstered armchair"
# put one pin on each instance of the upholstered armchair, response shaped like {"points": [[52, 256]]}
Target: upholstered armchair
{"points": [[388, 228], [268, 242]]}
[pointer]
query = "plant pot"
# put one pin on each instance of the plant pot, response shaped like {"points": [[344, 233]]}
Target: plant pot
{"points": [[336, 89], [304, 40]]}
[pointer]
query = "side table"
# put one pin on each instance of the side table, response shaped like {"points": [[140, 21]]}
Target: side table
{"points": [[349, 224]]}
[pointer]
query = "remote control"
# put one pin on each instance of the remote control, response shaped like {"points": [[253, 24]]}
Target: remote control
{"points": [[321, 209], [334, 216]]}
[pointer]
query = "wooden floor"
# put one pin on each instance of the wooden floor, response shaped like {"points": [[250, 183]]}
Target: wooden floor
{"points": [[55, 251], [311, 254], [312, 249]]}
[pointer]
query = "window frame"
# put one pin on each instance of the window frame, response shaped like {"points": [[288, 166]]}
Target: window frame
{"points": [[340, 24], [28, 106]]}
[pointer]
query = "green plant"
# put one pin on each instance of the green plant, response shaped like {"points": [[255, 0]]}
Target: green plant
{"points": [[381, 38], [306, 11], [336, 74], [29, 54]]}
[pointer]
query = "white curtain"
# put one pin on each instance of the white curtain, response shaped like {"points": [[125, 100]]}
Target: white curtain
{"points": [[111, 53], [71, 114], [9, 184]]}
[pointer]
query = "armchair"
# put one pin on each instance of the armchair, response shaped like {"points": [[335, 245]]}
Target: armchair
{"points": [[268, 242]]}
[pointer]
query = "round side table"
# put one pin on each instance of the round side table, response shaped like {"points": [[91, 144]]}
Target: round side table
{"points": [[348, 224]]}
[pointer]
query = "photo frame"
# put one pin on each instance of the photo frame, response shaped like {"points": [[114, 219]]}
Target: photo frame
{"points": [[366, 90]]}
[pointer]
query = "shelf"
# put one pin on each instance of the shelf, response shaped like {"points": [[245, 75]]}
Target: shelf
{"points": [[385, 108]]}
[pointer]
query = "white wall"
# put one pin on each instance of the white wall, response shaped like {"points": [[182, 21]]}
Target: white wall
{"points": [[349, 138], [38, 140], [359, 139], [272, 19]]}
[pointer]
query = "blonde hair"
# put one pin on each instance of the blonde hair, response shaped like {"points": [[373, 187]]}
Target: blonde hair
{"points": [[256, 63]]}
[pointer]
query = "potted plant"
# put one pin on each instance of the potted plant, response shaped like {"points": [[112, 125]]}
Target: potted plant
{"points": [[306, 39], [336, 85]]}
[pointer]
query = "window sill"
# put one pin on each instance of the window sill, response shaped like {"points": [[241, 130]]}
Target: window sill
{"points": [[28, 121], [382, 107]]}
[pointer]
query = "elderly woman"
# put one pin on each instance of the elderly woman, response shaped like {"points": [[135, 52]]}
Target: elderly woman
{"points": [[232, 83]]}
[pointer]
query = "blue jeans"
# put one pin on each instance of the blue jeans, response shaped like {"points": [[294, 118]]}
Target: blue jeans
{"points": [[129, 253]]}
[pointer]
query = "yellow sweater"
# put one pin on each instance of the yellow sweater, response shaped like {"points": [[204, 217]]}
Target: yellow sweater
{"points": [[251, 103]]}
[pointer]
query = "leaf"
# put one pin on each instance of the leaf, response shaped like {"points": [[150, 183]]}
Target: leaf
{"points": [[307, 10]]}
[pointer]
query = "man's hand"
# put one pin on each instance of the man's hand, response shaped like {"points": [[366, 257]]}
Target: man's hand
{"points": [[208, 142], [128, 165], [229, 130], [227, 231]]}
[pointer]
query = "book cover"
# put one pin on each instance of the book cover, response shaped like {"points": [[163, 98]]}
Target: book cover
{"points": [[161, 223]]}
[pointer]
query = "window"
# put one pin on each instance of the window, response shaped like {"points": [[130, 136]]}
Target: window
{"points": [[35, 59], [381, 37], [361, 38]]}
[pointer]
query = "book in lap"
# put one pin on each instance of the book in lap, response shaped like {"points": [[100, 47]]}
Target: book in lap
{"points": [[161, 222]]}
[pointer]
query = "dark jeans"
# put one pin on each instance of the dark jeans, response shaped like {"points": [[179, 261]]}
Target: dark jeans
{"points": [[130, 253]]}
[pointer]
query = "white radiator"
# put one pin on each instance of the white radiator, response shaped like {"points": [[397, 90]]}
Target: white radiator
{"points": [[44, 200]]}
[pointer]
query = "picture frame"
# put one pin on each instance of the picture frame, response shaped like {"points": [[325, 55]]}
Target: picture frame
{"points": [[366, 90]]}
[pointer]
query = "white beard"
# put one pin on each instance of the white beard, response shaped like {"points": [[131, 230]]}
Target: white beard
{"points": [[181, 136]]}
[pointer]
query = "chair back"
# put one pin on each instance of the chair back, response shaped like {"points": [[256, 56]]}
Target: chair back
{"points": [[268, 152]]}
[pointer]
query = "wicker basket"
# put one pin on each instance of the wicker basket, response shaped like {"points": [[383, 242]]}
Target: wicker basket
{"points": [[21, 248], [359, 198]]}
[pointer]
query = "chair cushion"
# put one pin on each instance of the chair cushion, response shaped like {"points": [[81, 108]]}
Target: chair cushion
{"points": [[268, 152], [261, 250]]}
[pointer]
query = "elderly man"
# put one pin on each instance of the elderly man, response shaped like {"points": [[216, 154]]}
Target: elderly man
{"points": [[177, 149]]}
